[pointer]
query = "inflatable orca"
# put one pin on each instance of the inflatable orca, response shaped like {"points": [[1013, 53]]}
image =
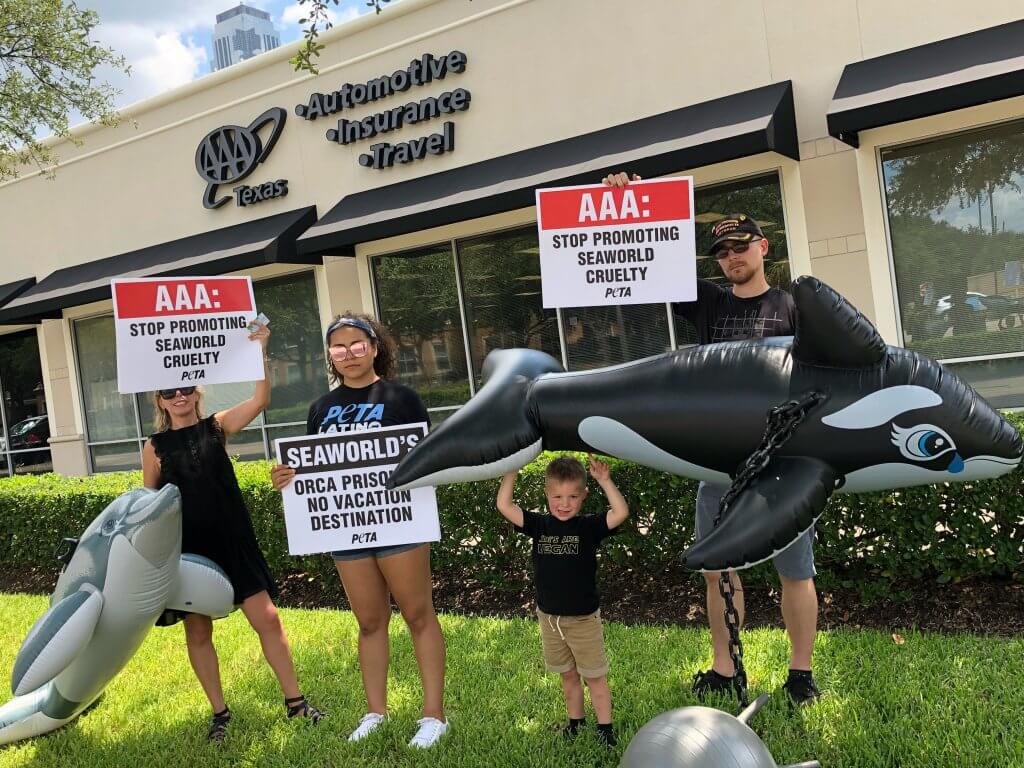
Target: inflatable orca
{"points": [[889, 418], [125, 572]]}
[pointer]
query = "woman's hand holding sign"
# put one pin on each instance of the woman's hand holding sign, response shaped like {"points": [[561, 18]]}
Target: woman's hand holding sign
{"points": [[261, 334], [621, 179], [281, 475], [238, 417]]}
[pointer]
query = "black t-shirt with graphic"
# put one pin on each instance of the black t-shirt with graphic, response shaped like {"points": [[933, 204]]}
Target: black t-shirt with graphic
{"points": [[382, 404], [565, 561], [719, 315]]}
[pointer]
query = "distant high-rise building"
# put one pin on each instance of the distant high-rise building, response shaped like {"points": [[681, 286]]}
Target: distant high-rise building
{"points": [[241, 33]]}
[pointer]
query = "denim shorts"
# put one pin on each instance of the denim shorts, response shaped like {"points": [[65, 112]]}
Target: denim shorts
{"points": [[378, 552], [794, 562]]}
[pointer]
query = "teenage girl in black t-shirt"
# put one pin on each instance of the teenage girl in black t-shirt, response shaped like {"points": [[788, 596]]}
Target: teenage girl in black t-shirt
{"points": [[361, 358]]}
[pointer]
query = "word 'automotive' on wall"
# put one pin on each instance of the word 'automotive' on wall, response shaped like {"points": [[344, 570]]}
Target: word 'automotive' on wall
{"points": [[421, 71]]}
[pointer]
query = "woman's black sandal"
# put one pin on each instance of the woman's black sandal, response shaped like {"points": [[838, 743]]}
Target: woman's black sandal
{"points": [[299, 707], [219, 726]]}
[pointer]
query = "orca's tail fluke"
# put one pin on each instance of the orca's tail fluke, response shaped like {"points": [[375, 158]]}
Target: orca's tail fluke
{"points": [[778, 506], [494, 433]]}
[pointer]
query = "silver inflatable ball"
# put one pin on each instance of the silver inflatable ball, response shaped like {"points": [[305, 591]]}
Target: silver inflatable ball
{"points": [[701, 737]]}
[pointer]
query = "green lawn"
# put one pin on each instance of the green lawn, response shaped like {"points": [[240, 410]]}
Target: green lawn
{"points": [[932, 701]]}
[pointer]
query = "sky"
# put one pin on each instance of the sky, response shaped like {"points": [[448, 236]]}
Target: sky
{"points": [[168, 42]]}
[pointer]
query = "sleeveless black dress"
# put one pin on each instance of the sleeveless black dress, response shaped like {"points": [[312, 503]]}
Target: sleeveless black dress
{"points": [[215, 521]]}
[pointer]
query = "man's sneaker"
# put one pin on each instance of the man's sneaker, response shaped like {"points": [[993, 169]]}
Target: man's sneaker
{"points": [[430, 731], [367, 725], [711, 682], [801, 688], [606, 735]]}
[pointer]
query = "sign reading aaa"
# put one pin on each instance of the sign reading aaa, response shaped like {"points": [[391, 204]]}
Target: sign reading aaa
{"points": [[184, 331], [604, 245]]}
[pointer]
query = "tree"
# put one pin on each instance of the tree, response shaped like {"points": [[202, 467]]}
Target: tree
{"points": [[47, 64], [317, 20]]}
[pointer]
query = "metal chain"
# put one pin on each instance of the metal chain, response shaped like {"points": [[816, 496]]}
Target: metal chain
{"points": [[727, 589], [781, 423]]}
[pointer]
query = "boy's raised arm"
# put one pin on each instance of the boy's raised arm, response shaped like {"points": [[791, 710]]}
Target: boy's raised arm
{"points": [[508, 508], [618, 509]]}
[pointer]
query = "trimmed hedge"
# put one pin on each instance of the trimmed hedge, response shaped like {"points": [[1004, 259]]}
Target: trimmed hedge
{"points": [[946, 532]]}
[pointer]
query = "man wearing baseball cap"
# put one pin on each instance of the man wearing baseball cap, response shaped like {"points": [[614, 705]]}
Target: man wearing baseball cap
{"points": [[748, 309]]}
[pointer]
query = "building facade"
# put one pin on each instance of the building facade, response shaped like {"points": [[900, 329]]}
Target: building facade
{"points": [[241, 33], [880, 146]]}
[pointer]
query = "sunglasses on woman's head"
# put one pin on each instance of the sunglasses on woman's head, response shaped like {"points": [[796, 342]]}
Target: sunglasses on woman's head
{"points": [[169, 394], [340, 352]]}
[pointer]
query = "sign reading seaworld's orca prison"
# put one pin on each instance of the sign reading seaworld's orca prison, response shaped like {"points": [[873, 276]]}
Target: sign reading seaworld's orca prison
{"points": [[184, 331], [338, 498], [383, 154], [604, 245]]}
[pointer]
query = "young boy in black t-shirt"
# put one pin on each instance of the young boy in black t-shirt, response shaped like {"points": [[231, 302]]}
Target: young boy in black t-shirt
{"points": [[565, 576]]}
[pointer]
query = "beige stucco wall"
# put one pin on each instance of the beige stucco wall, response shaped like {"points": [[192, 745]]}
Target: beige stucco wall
{"points": [[538, 71]]}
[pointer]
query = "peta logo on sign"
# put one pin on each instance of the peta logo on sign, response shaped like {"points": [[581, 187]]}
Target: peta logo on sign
{"points": [[230, 153]]}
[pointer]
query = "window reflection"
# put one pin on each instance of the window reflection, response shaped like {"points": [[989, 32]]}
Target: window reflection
{"points": [[956, 218], [418, 301], [501, 285], [24, 447]]}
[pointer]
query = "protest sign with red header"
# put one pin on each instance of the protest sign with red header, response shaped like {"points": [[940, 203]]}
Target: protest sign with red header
{"points": [[183, 331], [603, 245]]}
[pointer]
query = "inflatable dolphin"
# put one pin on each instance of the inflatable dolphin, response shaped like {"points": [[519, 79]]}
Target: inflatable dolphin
{"points": [[888, 418], [126, 570]]}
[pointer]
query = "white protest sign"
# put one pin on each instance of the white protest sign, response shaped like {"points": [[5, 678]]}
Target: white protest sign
{"points": [[174, 332], [603, 245], [337, 499]]}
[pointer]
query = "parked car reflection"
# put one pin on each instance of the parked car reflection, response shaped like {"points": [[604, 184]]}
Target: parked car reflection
{"points": [[33, 432], [1002, 312]]}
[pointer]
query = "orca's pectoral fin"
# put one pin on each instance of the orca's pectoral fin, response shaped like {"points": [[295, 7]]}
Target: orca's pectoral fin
{"points": [[773, 511], [202, 587], [55, 639], [492, 434]]}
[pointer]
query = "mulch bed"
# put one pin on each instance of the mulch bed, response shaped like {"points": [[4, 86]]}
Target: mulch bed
{"points": [[988, 607]]}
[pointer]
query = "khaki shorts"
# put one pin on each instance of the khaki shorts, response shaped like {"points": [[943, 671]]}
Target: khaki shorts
{"points": [[573, 642]]}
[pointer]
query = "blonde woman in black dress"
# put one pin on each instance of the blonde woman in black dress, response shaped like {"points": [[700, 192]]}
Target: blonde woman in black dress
{"points": [[188, 450]]}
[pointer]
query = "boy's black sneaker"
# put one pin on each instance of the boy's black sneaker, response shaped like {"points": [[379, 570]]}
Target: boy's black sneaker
{"points": [[711, 682], [572, 728], [606, 735], [800, 687]]}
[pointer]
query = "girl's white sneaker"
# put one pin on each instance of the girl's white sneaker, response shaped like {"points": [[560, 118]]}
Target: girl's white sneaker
{"points": [[430, 732], [367, 725]]}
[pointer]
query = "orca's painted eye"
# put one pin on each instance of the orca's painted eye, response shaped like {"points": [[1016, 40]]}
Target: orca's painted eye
{"points": [[108, 525], [922, 443]]}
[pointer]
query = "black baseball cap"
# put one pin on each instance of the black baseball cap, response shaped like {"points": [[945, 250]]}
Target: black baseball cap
{"points": [[737, 227]]}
